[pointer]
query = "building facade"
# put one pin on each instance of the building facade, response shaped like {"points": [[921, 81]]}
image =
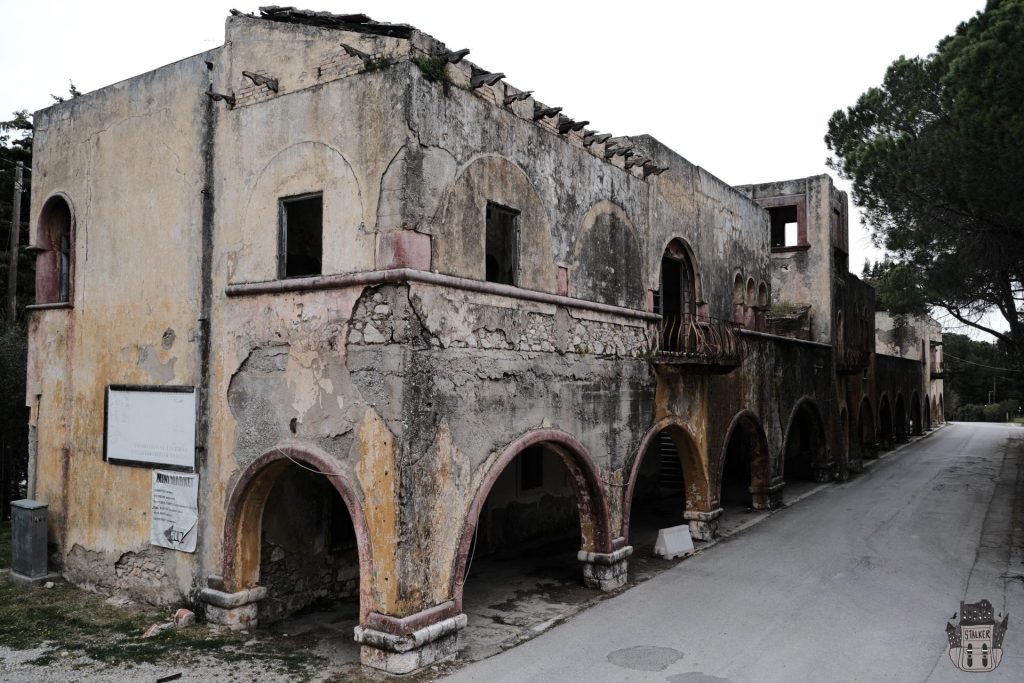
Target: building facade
{"points": [[422, 313]]}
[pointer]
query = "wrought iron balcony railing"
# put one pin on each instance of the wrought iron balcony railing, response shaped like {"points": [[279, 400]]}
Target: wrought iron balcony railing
{"points": [[699, 344]]}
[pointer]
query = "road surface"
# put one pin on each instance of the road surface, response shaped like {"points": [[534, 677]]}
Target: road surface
{"points": [[855, 583]]}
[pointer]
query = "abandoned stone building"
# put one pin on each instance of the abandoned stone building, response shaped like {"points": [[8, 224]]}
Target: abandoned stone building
{"points": [[422, 317]]}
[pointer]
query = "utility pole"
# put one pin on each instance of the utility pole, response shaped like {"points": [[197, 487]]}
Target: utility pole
{"points": [[12, 255]]}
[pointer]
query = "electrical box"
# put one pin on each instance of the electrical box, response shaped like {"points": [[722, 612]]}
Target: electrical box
{"points": [[28, 540]]}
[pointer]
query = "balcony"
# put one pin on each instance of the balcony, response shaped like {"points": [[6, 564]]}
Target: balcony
{"points": [[938, 370], [851, 360], [706, 345]]}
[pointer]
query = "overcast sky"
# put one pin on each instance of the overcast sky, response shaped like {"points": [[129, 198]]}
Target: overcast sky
{"points": [[743, 88]]}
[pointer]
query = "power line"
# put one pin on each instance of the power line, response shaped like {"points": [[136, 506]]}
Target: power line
{"points": [[14, 164], [980, 365]]}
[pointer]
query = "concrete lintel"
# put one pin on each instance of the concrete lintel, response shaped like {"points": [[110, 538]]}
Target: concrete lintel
{"points": [[605, 558], [404, 626], [232, 600], [390, 642], [702, 516]]}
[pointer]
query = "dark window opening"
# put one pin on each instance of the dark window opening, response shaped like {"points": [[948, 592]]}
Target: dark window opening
{"points": [[785, 229], [842, 261], [301, 236], [677, 302], [502, 246], [53, 262], [531, 468]]}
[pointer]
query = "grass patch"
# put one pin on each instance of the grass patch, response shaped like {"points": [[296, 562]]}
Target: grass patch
{"points": [[433, 68], [69, 621]]}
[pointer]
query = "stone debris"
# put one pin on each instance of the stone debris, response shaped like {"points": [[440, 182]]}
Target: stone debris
{"points": [[184, 617]]}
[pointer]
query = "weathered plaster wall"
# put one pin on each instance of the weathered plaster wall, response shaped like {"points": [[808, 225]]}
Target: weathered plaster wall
{"points": [[129, 160]]}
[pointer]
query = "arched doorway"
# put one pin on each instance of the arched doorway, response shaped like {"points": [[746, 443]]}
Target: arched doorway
{"points": [[916, 423], [294, 527], [540, 503], [927, 413], [942, 409], [677, 298], [900, 416], [744, 476], [805, 450], [886, 433], [868, 436], [666, 479], [845, 435]]}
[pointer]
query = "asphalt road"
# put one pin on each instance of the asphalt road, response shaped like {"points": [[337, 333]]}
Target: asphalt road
{"points": [[855, 583]]}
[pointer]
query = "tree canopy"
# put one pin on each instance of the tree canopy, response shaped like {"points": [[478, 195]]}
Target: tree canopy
{"points": [[934, 154]]}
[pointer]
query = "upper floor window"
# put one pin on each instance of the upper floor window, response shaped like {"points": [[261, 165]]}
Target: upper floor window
{"points": [[785, 226], [502, 244], [300, 253], [55, 252]]}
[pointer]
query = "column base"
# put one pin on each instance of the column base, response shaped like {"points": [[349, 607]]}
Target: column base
{"points": [[605, 571], [823, 473], [767, 497], [237, 611], [402, 654], [703, 525]]}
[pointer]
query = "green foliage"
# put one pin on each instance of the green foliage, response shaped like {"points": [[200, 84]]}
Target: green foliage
{"points": [[1004, 411], [934, 156], [434, 68], [972, 369]]}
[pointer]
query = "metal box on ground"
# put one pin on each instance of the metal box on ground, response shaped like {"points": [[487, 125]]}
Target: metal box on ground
{"points": [[28, 540]]}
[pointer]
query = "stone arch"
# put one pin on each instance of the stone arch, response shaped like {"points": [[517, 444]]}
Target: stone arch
{"points": [[695, 474], [845, 435], [942, 409], [886, 432], [752, 445], [302, 168], [55, 250], [244, 517], [926, 413], [607, 258], [805, 446], [899, 409], [458, 229], [585, 477]]}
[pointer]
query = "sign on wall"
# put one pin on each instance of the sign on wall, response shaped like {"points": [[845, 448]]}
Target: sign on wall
{"points": [[151, 426], [175, 510]]}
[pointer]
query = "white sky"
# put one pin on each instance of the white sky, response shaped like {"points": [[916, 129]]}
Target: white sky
{"points": [[743, 88]]}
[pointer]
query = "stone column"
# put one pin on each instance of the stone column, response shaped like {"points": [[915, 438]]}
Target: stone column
{"points": [[823, 471], [605, 571], [703, 523], [403, 645]]}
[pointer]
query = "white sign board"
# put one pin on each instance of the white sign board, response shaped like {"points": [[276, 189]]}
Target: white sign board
{"points": [[175, 510], [151, 426]]}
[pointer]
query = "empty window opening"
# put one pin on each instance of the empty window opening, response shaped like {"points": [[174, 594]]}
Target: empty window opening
{"points": [[785, 229], [677, 299], [301, 248], [502, 248]]}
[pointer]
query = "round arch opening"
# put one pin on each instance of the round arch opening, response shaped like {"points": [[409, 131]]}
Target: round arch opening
{"points": [[805, 449], [744, 479]]}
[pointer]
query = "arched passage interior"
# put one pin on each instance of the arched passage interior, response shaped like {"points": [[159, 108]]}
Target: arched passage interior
{"points": [[916, 423], [866, 431], [294, 527], [805, 449], [656, 496], [900, 417], [885, 427], [745, 464], [540, 503]]}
